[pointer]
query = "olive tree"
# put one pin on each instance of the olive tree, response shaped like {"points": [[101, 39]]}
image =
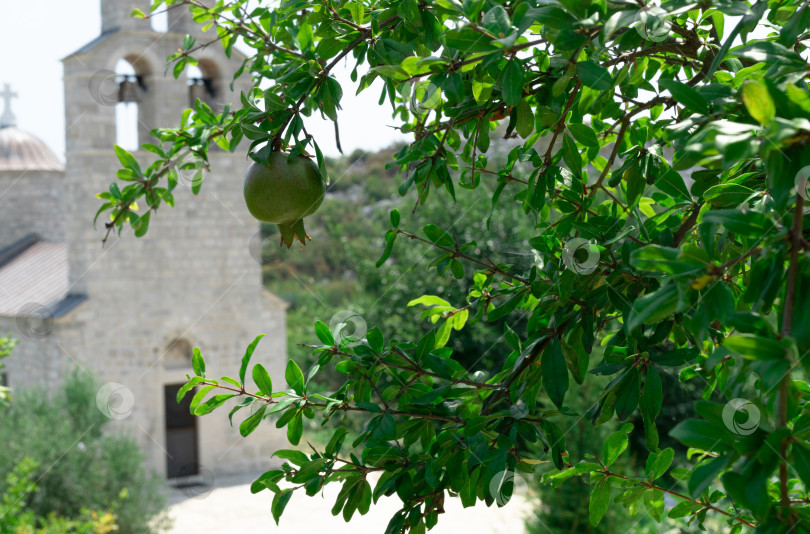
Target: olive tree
{"points": [[660, 152]]}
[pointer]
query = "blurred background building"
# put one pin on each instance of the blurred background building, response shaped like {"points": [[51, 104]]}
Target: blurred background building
{"points": [[130, 311]]}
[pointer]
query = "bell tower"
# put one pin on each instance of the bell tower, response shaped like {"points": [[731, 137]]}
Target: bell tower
{"points": [[191, 281], [115, 14]]}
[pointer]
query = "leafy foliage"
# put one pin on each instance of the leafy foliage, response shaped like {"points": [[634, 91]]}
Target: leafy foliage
{"points": [[17, 520], [74, 465], [667, 153], [7, 344]]}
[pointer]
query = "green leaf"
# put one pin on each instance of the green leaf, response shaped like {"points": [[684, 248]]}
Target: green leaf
{"points": [[686, 95], [627, 394], [671, 182], [324, 334], [443, 333], [594, 76], [212, 404], [199, 395], [296, 457], [758, 101], [584, 135], [599, 501], [743, 223], [658, 463], [247, 356], [653, 307], [513, 82], [555, 372], [801, 462], [706, 473], [390, 237], [262, 379], [142, 226], [525, 119], [654, 503], [181, 393], [615, 445], [429, 300], [496, 20], [294, 377], [250, 424], [635, 185], [280, 501], [375, 339], [128, 160], [295, 428], [700, 434], [650, 404], [197, 362], [468, 41], [408, 10], [321, 163], [439, 236], [755, 347]]}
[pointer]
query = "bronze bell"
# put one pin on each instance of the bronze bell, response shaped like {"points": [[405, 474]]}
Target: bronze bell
{"points": [[202, 88], [129, 89], [195, 91]]}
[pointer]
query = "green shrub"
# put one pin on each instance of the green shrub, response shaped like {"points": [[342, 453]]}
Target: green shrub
{"points": [[16, 519], [79, 465]]}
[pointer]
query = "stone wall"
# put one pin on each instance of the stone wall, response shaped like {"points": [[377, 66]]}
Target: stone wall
{"points": [[33, 202], [192, 277]]}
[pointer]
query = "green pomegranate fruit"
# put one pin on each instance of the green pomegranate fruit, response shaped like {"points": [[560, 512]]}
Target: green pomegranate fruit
{"points": [[283, 192]]}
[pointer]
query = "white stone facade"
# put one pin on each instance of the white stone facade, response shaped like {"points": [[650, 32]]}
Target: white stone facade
{"points": [[191, 281]]}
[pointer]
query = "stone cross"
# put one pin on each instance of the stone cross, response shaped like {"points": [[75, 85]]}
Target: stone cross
{"points": [[8, 118]]}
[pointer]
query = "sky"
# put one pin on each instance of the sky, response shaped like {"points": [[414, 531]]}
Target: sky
{"points": [[63, 27]]}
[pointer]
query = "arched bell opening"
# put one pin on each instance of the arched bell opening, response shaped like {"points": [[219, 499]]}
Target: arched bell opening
{"points": [[204, 83], [129, 91]]}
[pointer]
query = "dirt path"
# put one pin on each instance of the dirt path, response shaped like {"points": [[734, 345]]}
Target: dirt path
{"points": [[230, 507]]}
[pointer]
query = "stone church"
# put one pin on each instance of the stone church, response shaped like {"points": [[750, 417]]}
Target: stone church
{"points": [[132, 310]]}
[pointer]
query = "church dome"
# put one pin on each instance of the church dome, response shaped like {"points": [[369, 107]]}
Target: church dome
{"points": [[20, 151]]}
